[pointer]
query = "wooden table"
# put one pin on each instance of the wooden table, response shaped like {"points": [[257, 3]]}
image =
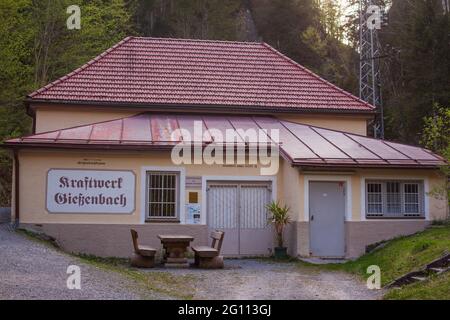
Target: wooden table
{"points": [[175, 247]]}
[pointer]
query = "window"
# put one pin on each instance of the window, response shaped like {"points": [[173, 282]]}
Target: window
{"points": [[163, 195], [394, 199], [411, 198], [374, 199]]}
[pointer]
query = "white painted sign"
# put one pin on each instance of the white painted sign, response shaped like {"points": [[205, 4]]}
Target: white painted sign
{"points": [[90, 191]]}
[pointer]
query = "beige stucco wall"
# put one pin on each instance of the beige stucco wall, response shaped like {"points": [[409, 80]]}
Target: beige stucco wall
{"points": [[290, 184], [55, 117], [438, 208], [291, 192], [34, 166]]}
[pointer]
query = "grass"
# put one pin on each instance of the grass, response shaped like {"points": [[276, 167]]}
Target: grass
{"points": [[38, 237], [172, 286], [403, 255]]}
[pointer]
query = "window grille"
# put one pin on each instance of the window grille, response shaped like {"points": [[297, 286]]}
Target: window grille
{"points": [[163, 195], [394, 199]]}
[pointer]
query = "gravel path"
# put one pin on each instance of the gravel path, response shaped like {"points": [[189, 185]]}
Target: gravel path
{"points": [[32, 270], [266, 280]]}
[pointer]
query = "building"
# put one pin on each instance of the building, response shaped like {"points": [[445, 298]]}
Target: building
{"points": [[134, 138]]}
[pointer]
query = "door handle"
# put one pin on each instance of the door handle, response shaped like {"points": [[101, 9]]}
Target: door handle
{"points": [[312, 217]]}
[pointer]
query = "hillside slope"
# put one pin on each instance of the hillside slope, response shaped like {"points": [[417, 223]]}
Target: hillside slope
{"points": [[406, 254]]}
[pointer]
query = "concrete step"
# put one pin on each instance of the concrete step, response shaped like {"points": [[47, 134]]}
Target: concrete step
{"points": [[437, 270], [419, 278]]}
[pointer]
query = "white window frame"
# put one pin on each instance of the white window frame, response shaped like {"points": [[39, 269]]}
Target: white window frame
{"points": [[181, 194], [422, 194]]}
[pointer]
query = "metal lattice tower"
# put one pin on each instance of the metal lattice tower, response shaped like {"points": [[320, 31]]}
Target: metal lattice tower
{"points": [[370, 49]]}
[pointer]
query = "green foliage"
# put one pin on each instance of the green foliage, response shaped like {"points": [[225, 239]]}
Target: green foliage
{"points": [[195, 19], [416, 51], [36, 47], [281, 23], [436, 132], [15, 51], [338, 61], [279, 218], [58, 50], [15, 80], [436, 136]]}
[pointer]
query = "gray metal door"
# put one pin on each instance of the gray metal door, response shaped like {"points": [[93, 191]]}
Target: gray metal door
{"points": [[239, 210], [327, 219]]}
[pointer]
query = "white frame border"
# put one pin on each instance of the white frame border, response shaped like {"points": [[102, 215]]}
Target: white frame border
{"points": [[331, 178], [182, 191], [205, 179], [426, 202]]}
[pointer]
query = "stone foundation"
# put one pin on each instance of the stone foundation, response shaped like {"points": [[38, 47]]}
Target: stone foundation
{"points": [[358, 234], [114, 240], [363, 233]]}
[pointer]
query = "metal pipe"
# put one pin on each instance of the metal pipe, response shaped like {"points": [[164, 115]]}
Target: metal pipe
{"points": [[16, 187]]}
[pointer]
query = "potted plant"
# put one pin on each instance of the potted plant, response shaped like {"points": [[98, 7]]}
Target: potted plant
{"points": [[279, 217]]}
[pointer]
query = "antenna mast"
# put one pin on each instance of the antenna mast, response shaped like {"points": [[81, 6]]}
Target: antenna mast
{"points": [[371, 17]]}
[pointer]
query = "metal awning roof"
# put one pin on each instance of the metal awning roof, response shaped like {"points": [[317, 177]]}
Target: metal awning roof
{"points": [[301, 144]]}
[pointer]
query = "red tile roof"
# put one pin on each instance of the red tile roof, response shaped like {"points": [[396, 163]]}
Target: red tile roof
{"points": [[162, 71], [300, 144]]}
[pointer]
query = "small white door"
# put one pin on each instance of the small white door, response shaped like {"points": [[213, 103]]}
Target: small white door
{"points": [[327, 219], [239, 210]]}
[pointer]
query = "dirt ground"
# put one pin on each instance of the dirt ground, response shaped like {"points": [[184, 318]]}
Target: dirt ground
{"points": [[260, 279], [34, 270]]}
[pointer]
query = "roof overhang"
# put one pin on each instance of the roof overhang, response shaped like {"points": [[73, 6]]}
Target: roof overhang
{"points": [[304, 146]]}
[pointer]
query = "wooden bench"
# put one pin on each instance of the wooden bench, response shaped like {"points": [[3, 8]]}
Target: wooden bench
{"points": [[144, 256], [209, 257]]}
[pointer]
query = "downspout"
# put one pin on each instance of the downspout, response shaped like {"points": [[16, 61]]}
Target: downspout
{"points": [[32, 114], [34, 124], [16, 187]]}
